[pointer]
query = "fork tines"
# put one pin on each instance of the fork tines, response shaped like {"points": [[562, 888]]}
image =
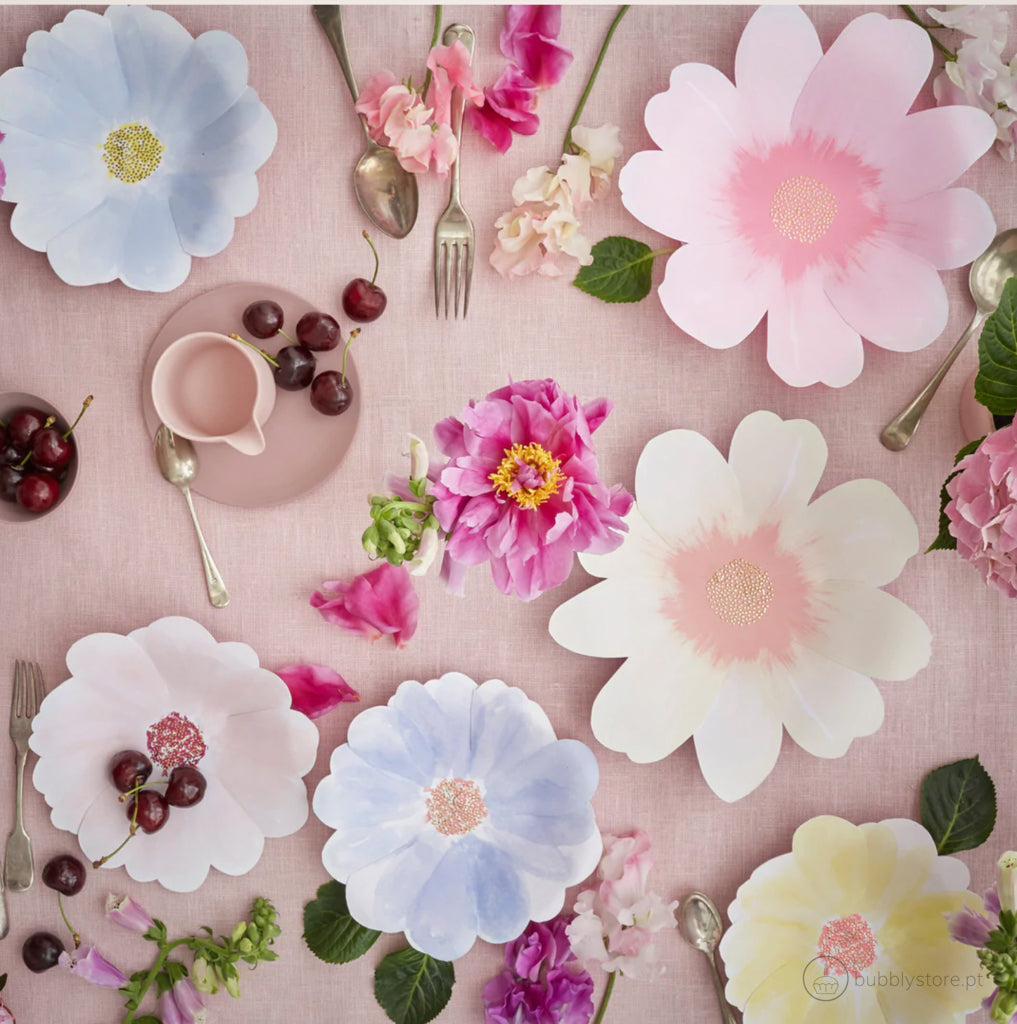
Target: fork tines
{"points": [[449, 266], [26, 698]]}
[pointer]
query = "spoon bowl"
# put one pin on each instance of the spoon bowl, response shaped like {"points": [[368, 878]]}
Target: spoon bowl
{"points": [[700, 924]]}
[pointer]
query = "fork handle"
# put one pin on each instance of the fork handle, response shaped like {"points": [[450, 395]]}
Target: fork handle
{"points": [[19, 871], [464, 34]]}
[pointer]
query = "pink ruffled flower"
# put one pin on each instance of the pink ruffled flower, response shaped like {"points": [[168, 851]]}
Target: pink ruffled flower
{"points": [[521, 488], [510, 108], [532, 237], [540, 946], [983, 509], [451, 68], [530, 39], [373, 604], [615, 921], [89, 965], [316, 689], [125, 912]]}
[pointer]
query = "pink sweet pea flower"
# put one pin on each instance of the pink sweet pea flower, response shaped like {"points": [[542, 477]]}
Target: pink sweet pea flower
{"points": [[375, 603], [509, 108], [87, 963], [123, 911], [530, 39], [451, 68], [316, 689]]}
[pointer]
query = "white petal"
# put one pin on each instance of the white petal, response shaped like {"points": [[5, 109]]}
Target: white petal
{"points": [[153, 259], [871, 631], [778, 464], [655, 701], [826, 706], [90, 251], [859, 531], [739, 740], [639, 552], [684, 486]]}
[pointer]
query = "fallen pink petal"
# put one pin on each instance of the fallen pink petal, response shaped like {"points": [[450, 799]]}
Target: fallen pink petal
{"points": [[376, 603], [316, 689]]}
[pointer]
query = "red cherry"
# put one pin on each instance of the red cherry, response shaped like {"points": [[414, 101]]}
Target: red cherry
{"points": [[22, 424], [363, 301], [153, 811], [37, 492], [50, 449]]}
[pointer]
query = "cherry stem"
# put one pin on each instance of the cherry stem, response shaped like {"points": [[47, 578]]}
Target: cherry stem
{"points": [[260, 351], [140, 786], [353, 334], [84, 405], [279, 330], [74, 935], [130, 835], [374, 276]]}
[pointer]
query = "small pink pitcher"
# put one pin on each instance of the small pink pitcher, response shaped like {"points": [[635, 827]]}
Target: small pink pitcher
{"points": [[208, 387]]}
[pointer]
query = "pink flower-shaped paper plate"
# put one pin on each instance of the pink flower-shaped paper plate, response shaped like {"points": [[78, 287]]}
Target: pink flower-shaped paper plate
{"points": [[806, 192], [173, 692]]}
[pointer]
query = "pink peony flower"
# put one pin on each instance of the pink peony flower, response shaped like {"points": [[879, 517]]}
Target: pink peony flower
{"points": [[89, 965], [530, 39], [451, 68], [375, 603], [983, 509], [521, 488], [127, 913], [615, 921], [509, 108], [316, 689]]}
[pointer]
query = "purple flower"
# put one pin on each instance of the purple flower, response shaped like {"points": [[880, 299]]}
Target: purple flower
{"points": [[509, 108], [374, 603], [125, 912], [316, 689], [182, 1004], [530, 39], [87, 963], [539, 946], [565, 997], [521, 488]]}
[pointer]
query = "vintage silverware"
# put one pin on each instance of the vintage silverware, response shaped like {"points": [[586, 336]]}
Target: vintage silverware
{"points": [[986, 279], [453, 234], [178, 463], [387, 192], [699, 921], [26, 697]]}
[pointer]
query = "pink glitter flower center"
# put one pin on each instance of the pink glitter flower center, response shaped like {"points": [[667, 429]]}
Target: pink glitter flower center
{"points": [[455, 806], [847, 945], [175, 740], [739, 592], [803, 209]]}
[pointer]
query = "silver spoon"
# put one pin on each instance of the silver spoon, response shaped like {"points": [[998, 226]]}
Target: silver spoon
{"points": [[178, 463], [699, 921], [988, 275], [386, 191]]}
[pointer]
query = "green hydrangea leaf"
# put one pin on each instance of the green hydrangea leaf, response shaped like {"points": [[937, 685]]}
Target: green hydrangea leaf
{"points": [[621, 270], [958, 805], [945, 540], [330, 931], [413, 988], [996, 380]]}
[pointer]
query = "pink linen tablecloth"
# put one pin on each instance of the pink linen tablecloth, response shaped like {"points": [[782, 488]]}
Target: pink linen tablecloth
{"points": [[120, 553]]}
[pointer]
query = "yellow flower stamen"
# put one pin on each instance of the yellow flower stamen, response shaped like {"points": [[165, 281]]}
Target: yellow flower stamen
{"points": [[132, 152], [506, 477]]}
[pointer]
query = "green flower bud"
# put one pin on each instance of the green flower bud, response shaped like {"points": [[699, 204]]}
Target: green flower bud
{"points": [[202, 977], [245, 945], [1004, 1006], [370, 540], [238, 932], [254, 933]]}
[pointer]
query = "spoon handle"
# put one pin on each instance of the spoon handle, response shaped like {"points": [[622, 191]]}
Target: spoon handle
{"points": [[218, 595], [725, 1010], [330, 17], [898, 432]]}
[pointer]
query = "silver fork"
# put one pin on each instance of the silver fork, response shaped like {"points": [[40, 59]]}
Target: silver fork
{"points": [[19, 872], [453, 234]]}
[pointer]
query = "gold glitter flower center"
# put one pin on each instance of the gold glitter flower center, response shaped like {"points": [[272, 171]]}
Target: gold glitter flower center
{"points": [[455, 806], [802, 209], [132, 152], [739, 592], [529, 473]]}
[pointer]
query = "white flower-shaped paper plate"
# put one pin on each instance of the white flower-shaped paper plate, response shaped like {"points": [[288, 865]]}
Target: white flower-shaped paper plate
{"points": [[129, 146], [173, 692]]}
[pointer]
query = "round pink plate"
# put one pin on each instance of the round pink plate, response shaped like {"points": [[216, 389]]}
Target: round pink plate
{"points": [[302, 447]]}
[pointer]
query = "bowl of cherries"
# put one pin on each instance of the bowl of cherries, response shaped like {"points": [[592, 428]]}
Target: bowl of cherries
{"points": [[38, 456]]}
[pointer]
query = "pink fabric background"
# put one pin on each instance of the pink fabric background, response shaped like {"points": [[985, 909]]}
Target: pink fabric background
{"points": [[120, 553]]}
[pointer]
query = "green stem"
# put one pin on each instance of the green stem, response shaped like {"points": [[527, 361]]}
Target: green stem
{"points": [[374, 276], [434, 43], [913, 15], [260, 351], [567, 147], [74, 935], [279, 330], [399, 503], [130, 835], [160, 962], [84, 405], [611, 978], [353, 334]]}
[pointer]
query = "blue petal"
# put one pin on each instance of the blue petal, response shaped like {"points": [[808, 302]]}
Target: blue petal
{"points": [[556, 779], [440, 710], [442, 921], [507, 728], [502, 910], [39, 104], [204, 224], [389, 742], [356, 795], [152, 46]]}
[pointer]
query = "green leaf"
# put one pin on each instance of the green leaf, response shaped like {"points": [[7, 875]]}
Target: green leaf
{"points": [[996, 380], [413, 988], [147, 1019], [330, 932], [621, 270], [945, 540], [958, 805]]}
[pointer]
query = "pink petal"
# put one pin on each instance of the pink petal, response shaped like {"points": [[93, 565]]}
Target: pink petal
{"points": [[700, 111], [947, 228], [89, 965], [452, 68], [865, 83], [529, 38], [717, 293], [509, 107], [891, 297], [800, 315], [374, 603], [770, 87], [931, 149], [316, 689]]}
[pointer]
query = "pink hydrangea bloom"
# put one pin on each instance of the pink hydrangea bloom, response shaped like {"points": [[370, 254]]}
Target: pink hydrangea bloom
{"points": [[615, 921], [373, 604], [983, 509], [316, 689], [521, 489]]}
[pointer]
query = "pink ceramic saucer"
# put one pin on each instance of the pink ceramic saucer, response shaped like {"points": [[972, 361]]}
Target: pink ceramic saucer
{"points": [[302, 447]]}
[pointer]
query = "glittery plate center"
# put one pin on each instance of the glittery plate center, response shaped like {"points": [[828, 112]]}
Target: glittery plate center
{"points": [[132, 152], [455, 806], [802, 209], [849, 944], [739, 592], [175, 740], [529, 473]]}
